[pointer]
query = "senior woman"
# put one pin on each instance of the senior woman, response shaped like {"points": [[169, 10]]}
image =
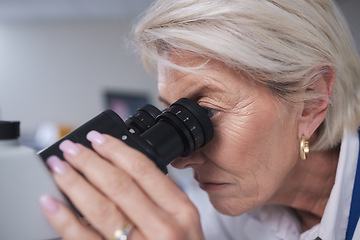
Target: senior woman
{"points": [[280, 77]]}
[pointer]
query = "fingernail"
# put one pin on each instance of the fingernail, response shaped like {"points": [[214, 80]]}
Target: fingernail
{"points": [[56, 165], [95, 137], [69, 147], [48, 203]]}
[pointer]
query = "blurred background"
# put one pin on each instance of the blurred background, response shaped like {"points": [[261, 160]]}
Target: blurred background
{"points": [[64, 61]]}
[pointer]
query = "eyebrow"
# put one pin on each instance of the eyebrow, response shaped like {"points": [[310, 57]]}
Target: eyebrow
{"points": [[196, 95]]}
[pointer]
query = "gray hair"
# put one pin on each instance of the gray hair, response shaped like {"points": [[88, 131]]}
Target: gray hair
{"points": [[279, 43]]}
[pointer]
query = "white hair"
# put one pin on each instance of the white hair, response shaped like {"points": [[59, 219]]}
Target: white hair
{"points": [[280, 43]]}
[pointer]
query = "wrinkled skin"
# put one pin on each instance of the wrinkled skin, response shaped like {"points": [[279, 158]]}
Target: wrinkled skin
{"points": [[255, 136]]}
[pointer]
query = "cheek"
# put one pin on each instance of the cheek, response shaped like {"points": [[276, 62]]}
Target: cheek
{"points": [[256, 150], [241, 138], [237, 150]]}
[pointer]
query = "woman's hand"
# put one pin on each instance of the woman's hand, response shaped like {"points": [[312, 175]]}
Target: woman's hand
{"points": [[121, 184]]}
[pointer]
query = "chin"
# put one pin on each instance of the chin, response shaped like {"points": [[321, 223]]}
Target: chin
{"points": [[232, 207]]}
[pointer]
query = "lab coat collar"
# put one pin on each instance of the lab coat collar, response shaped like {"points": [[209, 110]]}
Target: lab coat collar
{"points": [[335, 218]]}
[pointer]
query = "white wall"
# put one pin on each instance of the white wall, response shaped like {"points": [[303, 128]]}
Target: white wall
{"points": [[58, 71], [351, 10]]}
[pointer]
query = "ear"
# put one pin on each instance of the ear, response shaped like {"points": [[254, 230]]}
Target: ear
{"points": [[314, 110]]}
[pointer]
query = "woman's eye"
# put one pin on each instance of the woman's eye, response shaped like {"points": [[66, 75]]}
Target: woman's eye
{"points": [[210, 112]]}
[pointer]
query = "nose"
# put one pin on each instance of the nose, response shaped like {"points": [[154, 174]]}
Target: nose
{"points": [[195, 159]]}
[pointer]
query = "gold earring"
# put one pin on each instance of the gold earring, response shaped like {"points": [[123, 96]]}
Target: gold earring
{"points": [[304, 148]]}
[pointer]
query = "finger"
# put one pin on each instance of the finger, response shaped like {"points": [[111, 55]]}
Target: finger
{"points": [[145, 172], [64, 221], [101, 213], [118, 186], [177, 208]]}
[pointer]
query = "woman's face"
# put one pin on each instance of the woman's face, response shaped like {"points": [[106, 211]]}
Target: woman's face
{"points": [[255, 143]]}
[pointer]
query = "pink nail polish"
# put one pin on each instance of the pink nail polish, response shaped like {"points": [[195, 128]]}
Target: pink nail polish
{"points": [[56, 165], [48, 203], [95, 137], [69, 147]]}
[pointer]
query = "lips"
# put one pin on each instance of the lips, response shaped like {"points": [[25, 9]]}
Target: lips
{"points": [[212, 186]]}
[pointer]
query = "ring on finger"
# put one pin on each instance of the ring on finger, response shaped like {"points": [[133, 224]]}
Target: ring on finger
{"points": [[122, 233]]}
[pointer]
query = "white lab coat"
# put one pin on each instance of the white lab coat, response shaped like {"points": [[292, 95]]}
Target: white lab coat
{"points": [[277, 222]]}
